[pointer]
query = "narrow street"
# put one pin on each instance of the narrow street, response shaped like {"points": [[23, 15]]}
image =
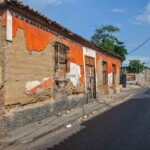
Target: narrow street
{"points": [[124, 127]]}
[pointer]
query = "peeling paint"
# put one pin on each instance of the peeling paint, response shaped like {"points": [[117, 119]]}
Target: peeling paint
{"points": [[74, 74], [77, 53], [32, 84], [36, 38], [110, 79], [89, 52], [34, 42], [36, 87], [110, 61]]}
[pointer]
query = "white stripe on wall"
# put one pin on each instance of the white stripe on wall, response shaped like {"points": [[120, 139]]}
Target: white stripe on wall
{"points": [[9, 26]]}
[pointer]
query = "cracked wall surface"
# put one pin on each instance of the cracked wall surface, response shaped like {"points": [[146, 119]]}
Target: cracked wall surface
{"points": [[100, 78], [3, 46], [110, 61], [28, 88], [30, 68], [24, 66], [1, 57]]}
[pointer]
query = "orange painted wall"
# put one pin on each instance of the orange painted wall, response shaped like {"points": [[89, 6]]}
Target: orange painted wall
{"points": [[37, 40], [110, 61]]}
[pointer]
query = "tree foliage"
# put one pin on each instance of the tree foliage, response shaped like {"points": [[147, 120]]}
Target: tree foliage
{"points": [[136, 66], [20, 1], [104, 37]]}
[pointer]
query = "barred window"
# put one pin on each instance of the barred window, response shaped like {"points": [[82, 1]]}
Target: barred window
{"points": [[61, 59]]}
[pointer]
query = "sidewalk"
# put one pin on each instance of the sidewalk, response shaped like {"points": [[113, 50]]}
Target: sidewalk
{"points": [[35, 131]]}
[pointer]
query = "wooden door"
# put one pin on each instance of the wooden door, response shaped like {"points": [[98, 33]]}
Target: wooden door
{"points": [[90, 77], [114, 77], [105, 77]]}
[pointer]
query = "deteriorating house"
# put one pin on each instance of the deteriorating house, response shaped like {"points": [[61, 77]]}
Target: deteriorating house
{"points": [[45, 68], [140, 78]]}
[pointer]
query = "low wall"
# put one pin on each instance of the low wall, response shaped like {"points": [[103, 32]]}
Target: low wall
{"points": [[138, 79], [23, 116]]}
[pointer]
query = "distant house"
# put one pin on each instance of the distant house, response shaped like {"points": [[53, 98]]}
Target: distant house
{"points": [[45, 68]]}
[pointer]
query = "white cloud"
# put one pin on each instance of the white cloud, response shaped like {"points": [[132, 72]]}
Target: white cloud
{"points": [[119, 25], [144, 17], [117, 10], [135, 22]]}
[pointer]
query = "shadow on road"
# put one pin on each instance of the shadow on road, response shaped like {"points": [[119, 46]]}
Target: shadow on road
{"points": [[124, 127]]}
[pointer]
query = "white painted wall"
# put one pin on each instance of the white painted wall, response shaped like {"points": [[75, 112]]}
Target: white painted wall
{"points": [[9, 26], [37, 86], [74, 74], [110, 79]]}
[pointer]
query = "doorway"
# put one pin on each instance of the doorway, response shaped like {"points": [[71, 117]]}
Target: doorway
{"points": [[105, 77], [90, 77], [114, 78]]}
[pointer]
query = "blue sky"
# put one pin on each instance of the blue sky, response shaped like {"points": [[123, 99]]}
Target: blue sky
{"points": [[84, 16]]}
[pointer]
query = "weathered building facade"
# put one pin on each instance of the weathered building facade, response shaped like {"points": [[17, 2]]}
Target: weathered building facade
{"points": [[45, 68], [140, 79]]}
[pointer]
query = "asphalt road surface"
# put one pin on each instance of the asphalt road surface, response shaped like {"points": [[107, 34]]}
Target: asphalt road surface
{"points": [[124, 127]]}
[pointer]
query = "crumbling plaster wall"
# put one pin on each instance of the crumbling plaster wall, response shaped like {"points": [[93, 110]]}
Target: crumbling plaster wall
{"points": [[3, 46], [1, 53], [24, 66], [34, 42], [110, 61], [100, 91], [1, 50], [72, 90], [118, 86]]}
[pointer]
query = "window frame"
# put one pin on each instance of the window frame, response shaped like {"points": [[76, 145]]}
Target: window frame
{"points": [[61, 57], [114, 73], [105, 73]]}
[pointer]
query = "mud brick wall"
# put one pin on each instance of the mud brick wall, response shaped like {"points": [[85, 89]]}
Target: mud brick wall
{"points": [[100, 92], [1, 42], [23, 66], [71, 90], [3, 46]]}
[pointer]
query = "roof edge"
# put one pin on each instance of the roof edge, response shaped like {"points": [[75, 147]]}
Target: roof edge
{"points": [[43, 20]]}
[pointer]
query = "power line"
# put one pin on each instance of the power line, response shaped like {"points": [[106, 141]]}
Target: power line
{"points": [[139, 46]]}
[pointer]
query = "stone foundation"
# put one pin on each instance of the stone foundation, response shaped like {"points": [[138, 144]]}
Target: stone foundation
{"points": [[16, 118]]}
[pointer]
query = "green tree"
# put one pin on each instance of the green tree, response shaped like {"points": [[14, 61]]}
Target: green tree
{"points": [[136, 66], [104, 37], [20, 1]]}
